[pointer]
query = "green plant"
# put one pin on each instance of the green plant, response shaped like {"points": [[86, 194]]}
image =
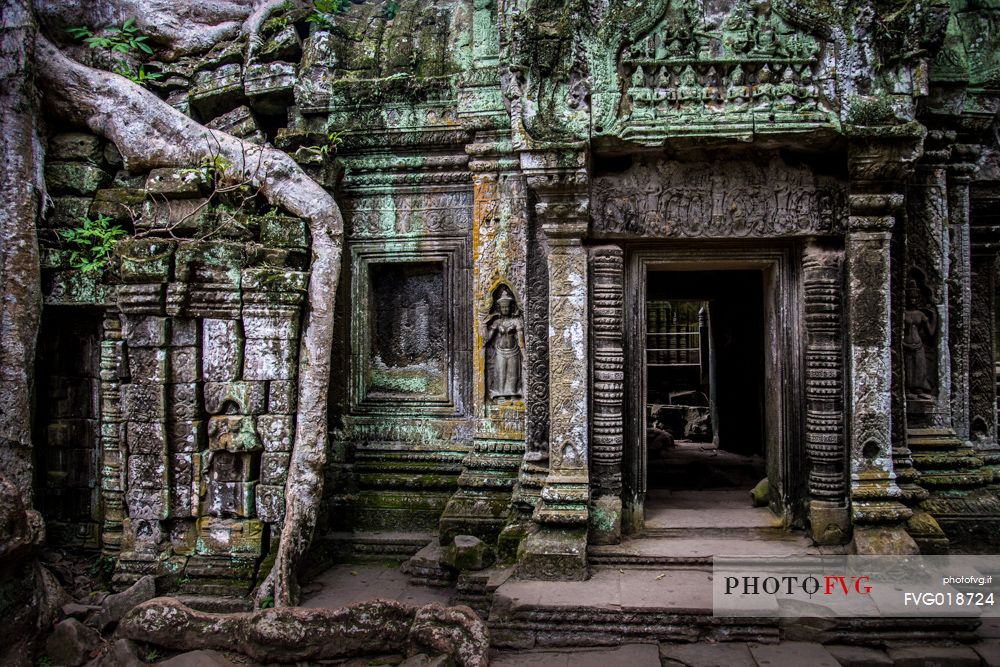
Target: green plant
{"points": [[92, 243], [139, 76], [324, 12], [122, 40], [153, 655], [44, 661], [267, 602], [211, 168]]}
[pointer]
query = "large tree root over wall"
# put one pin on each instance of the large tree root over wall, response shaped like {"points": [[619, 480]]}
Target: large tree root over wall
{"points": [[149, 133], [296, 634]]}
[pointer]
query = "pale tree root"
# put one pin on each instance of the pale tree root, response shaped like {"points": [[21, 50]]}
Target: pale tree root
{"points": [[295, 634], [150, 133]]}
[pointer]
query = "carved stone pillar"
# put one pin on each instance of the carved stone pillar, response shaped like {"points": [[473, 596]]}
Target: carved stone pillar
{"points": [[949, 468], [829, 519], [481, 504], [558, 550], [608, 383], [959, 286], [112, 489], [875, 508], [876, 164]]}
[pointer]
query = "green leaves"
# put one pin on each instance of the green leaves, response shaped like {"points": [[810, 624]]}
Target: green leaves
{"points": [[325, 11], [124, 39], [91, 244]]}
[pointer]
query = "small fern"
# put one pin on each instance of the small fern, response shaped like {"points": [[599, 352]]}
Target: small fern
{"points": [[91, 244]]}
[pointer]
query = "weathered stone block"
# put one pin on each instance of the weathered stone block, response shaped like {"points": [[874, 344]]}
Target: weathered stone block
{"points": [[174, 183], [185, 365], [184, 401], [234, 434], [224, 537], [467, 552], [180, 216], [182, 474], [282, 396], [74, 146], [147, 471], [214, 262], [284, 45], [240, 123], [74, 177], [143, 299], [284, 231], [274, 468], [146, 260], [144, 402], [187, 436], [68, 211], [230, 499], [146, 504], [138, 533], [270, 359], [275, 280], [241, 397], [270, 503], [211, 301], [264, 326], [269, 86], [145, 331], [146, 437], [214, 92], [120, 204], [183, 332], [277, 432], [71, 643], [222, 352], [147, 365]]}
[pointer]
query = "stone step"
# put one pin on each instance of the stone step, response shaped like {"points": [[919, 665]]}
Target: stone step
{"points": [[373, 547], [721, 532], [614, 607], [695, 551]]}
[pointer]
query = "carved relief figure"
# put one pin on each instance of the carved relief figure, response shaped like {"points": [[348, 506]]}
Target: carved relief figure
{"points": [[504, 343], [919, 329]]}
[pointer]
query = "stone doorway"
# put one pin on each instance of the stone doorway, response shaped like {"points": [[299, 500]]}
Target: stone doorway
{"points": [[714, 353]]}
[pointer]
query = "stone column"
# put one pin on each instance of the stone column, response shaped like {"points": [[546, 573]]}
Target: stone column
{"points": [[112, 491], [558, 550], [829, 519], [877, 514], [959, 287], [878, 162], [938, 287], [481, 504], [608, 381]]}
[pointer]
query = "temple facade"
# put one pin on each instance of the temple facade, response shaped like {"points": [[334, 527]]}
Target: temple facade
{"points": [[598, 258]]}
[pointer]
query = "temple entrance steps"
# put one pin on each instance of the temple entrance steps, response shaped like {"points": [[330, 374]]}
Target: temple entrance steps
{"points": [[616, 606], [685, 529], [391, 548]]}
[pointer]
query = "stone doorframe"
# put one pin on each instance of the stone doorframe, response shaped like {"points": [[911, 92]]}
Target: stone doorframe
{"points": [[784, 339]]}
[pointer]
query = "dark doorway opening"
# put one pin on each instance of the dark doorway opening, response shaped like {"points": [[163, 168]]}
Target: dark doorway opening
{"points": [[67, 425], [705, 387]]}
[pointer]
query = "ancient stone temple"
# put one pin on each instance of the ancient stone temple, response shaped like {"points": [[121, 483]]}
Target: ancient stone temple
{"points": [[604, 265]]}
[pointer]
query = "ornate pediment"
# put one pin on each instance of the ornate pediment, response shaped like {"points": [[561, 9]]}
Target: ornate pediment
{"points": [[702, 70]]}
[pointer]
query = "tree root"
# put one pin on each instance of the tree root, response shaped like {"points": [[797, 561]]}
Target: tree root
{"points": [[149, 133], [296, 634]]}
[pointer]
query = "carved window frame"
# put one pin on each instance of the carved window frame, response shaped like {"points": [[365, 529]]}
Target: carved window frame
{"points": [[450, 253]]}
